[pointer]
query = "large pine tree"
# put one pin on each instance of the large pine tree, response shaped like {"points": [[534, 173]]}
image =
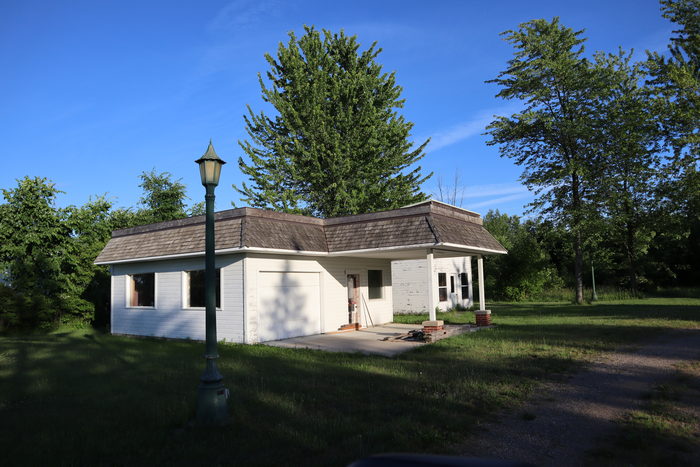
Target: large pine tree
{"points": [[337, 144]]}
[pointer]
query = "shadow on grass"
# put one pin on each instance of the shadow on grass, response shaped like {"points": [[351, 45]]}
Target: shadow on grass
{"points": [[88, 398], [92, 399]]}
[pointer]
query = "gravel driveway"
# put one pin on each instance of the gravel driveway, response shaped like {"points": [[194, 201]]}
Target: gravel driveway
{"points": [[571, 417]]}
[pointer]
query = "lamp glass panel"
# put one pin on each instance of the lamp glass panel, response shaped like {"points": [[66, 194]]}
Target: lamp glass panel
{"points": [[210, 171], [202, 173], [216, 172]]}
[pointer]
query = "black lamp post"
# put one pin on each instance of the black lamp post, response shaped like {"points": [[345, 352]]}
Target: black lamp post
{"points": [[212, 406]]}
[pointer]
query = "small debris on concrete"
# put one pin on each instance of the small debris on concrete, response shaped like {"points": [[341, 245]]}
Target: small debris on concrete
{"points": [[449, 330], [413, 335]]}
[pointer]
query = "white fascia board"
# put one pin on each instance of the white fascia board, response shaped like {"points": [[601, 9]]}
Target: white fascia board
{"points": [[277, 250], [150, 258], [301, 253], [387, 248], [473, 248], [218, 252]]}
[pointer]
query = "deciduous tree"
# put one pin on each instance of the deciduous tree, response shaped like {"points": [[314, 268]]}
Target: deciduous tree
{"points": [[33, 243], [629, 162], [553, 136], [163, 198], [675, 91]]}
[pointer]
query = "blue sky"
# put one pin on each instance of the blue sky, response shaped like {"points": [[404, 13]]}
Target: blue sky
{"points": [[94, 93]]}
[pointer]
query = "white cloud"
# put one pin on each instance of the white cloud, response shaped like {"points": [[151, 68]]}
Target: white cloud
{"points": [[468, 196], [482, 191], [467, 129], [502, 199], [457, 133], [242, 14], [498, 189]]}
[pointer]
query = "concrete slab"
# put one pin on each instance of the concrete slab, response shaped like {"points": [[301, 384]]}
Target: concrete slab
{"points": [[367, 341]]}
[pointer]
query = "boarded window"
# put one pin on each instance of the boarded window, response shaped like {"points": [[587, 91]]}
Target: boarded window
{"points": [[374, 283], [464, 282], [143, 289], [442, 286], [195, 282]]}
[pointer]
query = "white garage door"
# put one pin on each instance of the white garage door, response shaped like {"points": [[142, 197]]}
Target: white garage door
{"points": [[289, 305]]}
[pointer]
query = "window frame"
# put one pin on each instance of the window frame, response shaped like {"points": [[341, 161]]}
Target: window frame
{"points": [[464, 285], [186, 290], [382, 294], [442, 288], [128, 287]]}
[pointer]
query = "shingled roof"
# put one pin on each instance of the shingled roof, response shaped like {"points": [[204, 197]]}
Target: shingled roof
{"points": [[425, 224]]}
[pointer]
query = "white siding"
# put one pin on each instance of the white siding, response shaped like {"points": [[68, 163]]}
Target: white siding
{"points": [[169, 317], [410, 289], [333, 282]]}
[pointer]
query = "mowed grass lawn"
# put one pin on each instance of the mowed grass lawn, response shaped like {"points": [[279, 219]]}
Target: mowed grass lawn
{"points": [[82, 397]]}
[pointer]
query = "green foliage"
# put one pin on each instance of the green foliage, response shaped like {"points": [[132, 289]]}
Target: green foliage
{"points": [[674, 90], [123, 218], [553, 135], [47, 275], [337, 144], [629, 162], [526, 270], [197, 209], [163, 198], [33, 247], [675, 80], [88, 285], [591, 138]]}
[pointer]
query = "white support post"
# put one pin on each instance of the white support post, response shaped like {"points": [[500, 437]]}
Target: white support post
{"points": [[470, 281], [482, 297], [431, 289]]}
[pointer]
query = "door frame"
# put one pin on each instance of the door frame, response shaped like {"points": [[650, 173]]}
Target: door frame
{"points": [[355, 277]]}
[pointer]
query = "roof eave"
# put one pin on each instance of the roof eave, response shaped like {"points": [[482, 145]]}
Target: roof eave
{"points": [[468, 250]]}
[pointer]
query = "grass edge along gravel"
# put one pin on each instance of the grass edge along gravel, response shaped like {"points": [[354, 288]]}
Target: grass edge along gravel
{"points": [[665, 430]]}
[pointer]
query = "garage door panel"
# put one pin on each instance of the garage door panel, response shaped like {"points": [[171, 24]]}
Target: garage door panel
{"points": [[289, 305]]}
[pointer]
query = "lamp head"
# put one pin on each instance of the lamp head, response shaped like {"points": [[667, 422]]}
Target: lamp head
{"points": [[210, 166]]}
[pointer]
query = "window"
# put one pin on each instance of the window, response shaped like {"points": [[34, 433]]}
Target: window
{"points": [[142, 289], [195, 289], [374, 283], [464, 280], [442, 286]]}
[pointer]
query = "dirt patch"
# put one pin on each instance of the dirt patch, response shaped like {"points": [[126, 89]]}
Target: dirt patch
{"points": [[564, 421]]}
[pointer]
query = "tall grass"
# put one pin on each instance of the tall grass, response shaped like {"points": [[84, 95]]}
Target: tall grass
{"points": [[611, 293]]}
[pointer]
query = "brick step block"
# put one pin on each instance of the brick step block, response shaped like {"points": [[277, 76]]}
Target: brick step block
{"points": [[483, 317]]}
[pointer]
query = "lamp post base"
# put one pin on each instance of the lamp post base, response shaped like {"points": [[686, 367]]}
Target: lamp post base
{"points": [[212, 404]]}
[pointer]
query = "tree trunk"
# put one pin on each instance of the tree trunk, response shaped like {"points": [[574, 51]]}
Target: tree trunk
{"points": [[578, 241], [629, 236], [631, 263], [578, 267]]}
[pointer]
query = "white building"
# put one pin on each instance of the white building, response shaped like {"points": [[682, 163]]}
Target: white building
{"points": [[452, 284], [280, 275]]}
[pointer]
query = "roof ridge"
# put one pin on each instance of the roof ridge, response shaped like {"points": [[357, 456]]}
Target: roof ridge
{"points": [[431, 201], [225, 215], [243, 228], [325, 236], [376, 216], [433, 229]]}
